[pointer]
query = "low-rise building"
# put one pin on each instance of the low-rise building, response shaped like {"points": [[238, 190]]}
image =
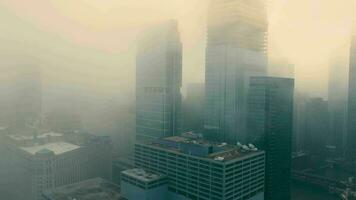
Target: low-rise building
{"points": [[92, 189], [140, 184]]}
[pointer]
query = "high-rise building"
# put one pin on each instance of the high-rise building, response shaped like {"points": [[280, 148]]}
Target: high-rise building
{"points": [[337, 100], [270, 123], [316, 127], [236, 50], [351, 108], [198, 169], [158, 82], [299, 122], [20, 97], [193, 108]]}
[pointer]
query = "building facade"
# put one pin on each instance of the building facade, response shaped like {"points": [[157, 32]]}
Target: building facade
{"points": [[199, 170], [139, 184], [317, 127], [33, 164], [91, 189], [337, 102], [236, 50], [158, 82], [270, 128]]}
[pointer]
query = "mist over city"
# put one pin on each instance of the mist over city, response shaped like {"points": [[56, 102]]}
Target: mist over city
{"points": [[178, 99]]}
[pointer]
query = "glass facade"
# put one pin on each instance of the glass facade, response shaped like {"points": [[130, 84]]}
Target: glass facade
{"points": [[270, 123], [235, 51], [202, 178], [158, 82]]}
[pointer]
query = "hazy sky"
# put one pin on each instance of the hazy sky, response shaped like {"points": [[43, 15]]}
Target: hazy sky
{"points": [[92, 42]]}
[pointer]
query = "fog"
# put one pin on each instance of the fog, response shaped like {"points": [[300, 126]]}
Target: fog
{"points": [[92, 43]]}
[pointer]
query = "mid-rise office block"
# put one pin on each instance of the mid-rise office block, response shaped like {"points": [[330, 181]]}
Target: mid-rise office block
{"points": [[236, 50], [200, 170], [158, 82], [33, 164], [270, 128]]}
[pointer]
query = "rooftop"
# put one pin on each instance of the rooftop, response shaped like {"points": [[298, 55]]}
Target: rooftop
{"points": [[92, 189], [57, 148], [31, 137], [195, 145], [142, 175]]}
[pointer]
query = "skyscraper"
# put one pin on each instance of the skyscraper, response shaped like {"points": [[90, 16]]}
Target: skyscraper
{"points": [[158, 82], [28, 96], [236, 50], [316, 127], [351, 109], [337, 102], [270, 128]]}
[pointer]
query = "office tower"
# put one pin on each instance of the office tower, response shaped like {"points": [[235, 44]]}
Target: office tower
{"points": [[28, 96], [158, 82], [236, 50], [337, 100], [92, 189], [299, 122], [32, 164], [316, 126], [139, 184], [270, 128], [351, 109], [193, 108], [198, 169]]}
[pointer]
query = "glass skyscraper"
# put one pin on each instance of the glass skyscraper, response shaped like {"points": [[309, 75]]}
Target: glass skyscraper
{"points": [[158, 82], [236, 50], [270, 122]]}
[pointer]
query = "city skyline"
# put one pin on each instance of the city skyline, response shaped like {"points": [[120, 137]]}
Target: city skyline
{"points": [[178, 100]]}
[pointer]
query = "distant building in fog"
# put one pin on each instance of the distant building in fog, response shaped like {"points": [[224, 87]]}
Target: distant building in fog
{"points": [[32, 164], [281, 68], [20, 96], [270, 124], [193, 108], [158, 82], [351, 108], [236, 50], [27, 96], [316, 126], [337, 102], [299, 115], [198, 169], [92, 189]]}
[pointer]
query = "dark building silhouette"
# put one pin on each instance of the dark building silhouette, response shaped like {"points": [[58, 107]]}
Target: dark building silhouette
{"points": [[236, 50], [351, 109], [316, 126], [270, 128], [158, 82], [337, 102], [193, 108]]}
